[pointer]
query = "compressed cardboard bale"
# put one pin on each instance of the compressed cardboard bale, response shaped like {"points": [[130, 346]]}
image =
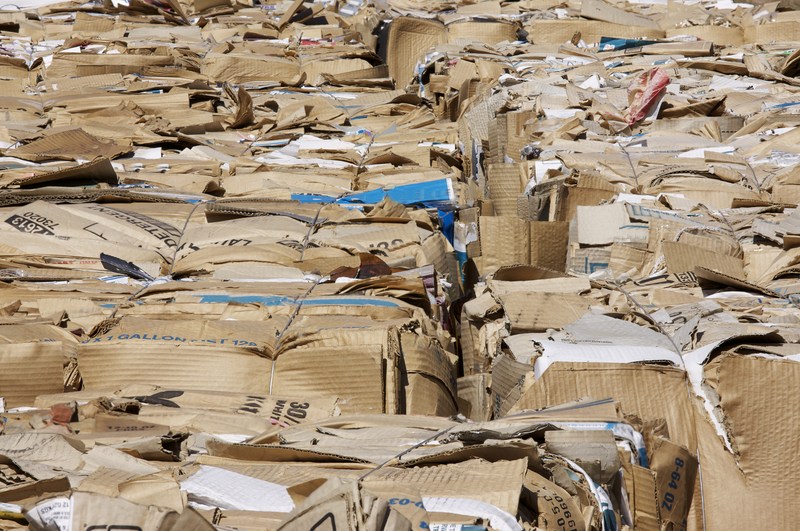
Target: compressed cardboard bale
{"points": [[248, 155], [631, 384], [211, 355], [361, 367]]}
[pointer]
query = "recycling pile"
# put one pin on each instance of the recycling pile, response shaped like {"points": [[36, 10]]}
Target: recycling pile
{"points": [[399, 265]]}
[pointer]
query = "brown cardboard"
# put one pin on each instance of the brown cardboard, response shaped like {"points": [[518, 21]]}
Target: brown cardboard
{"points": [[49, 449], [594, 451], [482, 30], [630, 384], [159, 403], [644, 499], [509, 378], [340, 505], [498, 484], [538, 311], [34, 358], [432, 387], [559, 31], [599, 10], [676, 470], [244, 67], [682, 257], [43, 218], [408, 39], [505, 185], [86, 510], [719, 35], [722, 474], [551, 501], [99, 170], [505, 240], [68, 145], [549, 244], [19, 360], [473, 396], [118, 356], [153, 231], [377, 362]]}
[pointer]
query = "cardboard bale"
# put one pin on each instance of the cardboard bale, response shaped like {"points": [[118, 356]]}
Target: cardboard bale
{"points": [[325, 364], [217, 356]]}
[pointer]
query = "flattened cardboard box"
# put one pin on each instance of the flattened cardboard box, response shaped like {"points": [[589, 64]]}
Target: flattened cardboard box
{"points": [[239, 356], [361, 366], [159, 403], [83, 510], [203, 355]]}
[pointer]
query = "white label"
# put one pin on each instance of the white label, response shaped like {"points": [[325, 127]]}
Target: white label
{"points": [[56, 511]]}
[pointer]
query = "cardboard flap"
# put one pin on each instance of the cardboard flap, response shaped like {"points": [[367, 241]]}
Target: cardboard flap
{"points": [[89, 174], [74, 144]]}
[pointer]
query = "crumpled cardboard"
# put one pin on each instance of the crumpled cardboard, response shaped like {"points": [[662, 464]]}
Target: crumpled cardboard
{"points": [[342, 255]]}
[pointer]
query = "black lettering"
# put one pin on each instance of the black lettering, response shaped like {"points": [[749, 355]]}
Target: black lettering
{"points": [[29, 226], [167, 232]]}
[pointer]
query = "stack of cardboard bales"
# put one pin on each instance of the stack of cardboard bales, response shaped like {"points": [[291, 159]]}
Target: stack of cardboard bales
{"points": [[397, 265]]}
